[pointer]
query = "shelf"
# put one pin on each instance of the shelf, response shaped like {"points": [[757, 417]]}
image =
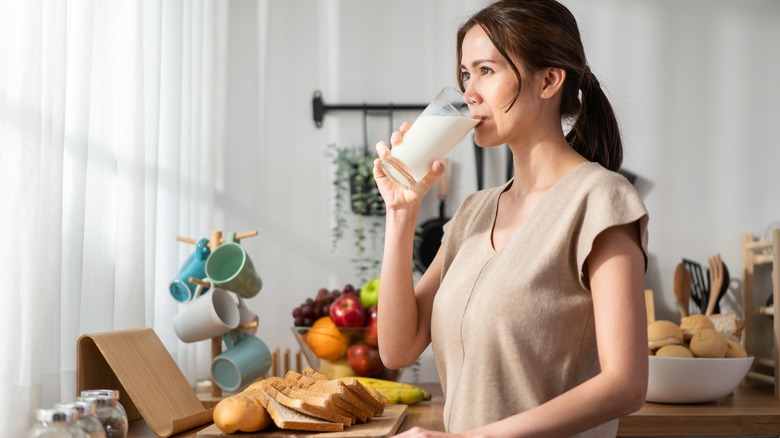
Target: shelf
{"points": [[754, 253]]}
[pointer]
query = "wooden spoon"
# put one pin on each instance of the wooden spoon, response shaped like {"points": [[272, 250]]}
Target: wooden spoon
{"points": [[716, 281], [682, 288]]}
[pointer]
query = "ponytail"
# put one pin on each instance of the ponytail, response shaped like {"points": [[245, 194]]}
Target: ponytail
{"points": [[595, 133]]}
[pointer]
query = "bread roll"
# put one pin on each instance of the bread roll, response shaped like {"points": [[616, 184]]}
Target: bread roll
{"points": [[708, 343], [661, 332], [241, 412], [734, 349], [674, 351], [690, 324]]}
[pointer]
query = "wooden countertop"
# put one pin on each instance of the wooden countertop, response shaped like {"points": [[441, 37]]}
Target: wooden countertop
{"points": [[748, 411]]}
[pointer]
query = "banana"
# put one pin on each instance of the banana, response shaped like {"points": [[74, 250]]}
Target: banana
{"points": [[396, 392]]}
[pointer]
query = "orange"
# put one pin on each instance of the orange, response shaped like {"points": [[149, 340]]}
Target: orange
{"points": [[326, 340]]}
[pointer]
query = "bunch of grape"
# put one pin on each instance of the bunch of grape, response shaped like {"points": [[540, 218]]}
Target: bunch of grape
{"points": [[314, 308]]}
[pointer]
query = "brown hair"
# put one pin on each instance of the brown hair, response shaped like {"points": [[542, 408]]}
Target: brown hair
{"points": [[544, 33]]}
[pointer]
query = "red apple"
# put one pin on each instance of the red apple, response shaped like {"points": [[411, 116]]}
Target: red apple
{"points": [[348, 311], [371, 334], [364, 360]]}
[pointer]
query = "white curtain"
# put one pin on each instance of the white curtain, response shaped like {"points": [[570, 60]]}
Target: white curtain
{"points": [[110, 115]]}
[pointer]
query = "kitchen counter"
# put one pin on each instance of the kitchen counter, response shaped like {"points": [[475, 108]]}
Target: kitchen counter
{"points": [[748, 411]]}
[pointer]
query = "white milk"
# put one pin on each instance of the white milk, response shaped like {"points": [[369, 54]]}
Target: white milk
{"points": [[430, 138]]}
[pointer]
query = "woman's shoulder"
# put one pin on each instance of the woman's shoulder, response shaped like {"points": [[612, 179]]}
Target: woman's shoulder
{"points": [[595, 174]]}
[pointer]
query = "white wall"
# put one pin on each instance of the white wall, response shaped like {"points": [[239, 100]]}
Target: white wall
{"points": [[694, 83]]}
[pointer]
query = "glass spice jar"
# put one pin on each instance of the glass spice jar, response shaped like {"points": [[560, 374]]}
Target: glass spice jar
{"points": [[87, 418], [112, 392], [53, 423], [113, 420]]}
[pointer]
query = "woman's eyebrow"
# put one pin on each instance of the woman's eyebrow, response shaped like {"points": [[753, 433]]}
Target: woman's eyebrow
{"points": [[477, 62]]}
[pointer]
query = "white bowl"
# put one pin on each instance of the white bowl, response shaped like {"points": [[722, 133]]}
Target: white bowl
{"points": [[694, 380]]}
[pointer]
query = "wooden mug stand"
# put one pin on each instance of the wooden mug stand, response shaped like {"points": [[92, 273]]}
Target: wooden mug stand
{"points": [[216, 342]]}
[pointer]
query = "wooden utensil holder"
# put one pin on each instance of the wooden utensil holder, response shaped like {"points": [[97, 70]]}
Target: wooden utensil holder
{"points": [[758, 254], [216, 342]]}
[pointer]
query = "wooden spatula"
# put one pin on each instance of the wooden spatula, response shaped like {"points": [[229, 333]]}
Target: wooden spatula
{"points": [[682, 288]]}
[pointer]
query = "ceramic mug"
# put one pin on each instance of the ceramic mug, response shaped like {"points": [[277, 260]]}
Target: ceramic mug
{"points": [[211, 315], [195, 266], [230, 267], [246, 359]]}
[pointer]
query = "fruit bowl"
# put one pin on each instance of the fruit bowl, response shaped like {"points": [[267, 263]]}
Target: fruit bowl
{"points": [[343, 352], [694, 380]]}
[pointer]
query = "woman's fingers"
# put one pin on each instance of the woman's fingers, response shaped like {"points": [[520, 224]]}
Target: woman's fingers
{"points": [[397, 137], [382, 150], [425, 184]]}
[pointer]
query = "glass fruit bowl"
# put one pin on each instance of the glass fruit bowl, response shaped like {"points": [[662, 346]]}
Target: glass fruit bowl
{"points": [[342, 352]]}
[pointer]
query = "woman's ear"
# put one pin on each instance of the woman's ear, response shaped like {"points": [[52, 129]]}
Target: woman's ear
{"points": [[552, 81]]}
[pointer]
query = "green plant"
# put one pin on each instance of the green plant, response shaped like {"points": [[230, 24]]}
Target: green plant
{"points": [[353, 183]]}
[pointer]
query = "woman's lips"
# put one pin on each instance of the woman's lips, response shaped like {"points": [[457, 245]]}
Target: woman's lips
{"points": [[479, 119]]}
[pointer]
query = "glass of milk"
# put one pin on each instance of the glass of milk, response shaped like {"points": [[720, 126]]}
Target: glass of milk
{"points": [[443, 123]]}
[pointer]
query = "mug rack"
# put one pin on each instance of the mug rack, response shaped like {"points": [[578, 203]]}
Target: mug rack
{"points": [[216, 342], [319, 107]]}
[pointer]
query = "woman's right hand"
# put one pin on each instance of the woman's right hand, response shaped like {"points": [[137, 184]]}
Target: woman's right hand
{"points": [[395, 196]]}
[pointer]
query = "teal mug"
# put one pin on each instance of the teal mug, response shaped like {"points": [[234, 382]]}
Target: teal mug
{"points": [[181, 288], [246, 359], [230, 267]]}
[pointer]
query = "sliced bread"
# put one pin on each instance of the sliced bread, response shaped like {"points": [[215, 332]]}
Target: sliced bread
{"points": [[290, 419], [304, 407]]}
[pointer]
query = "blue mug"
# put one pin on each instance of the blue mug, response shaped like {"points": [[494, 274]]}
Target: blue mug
{"points": [[195, 266], [245, 360]]}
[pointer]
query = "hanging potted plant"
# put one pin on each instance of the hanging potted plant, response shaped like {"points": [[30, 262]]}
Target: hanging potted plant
{"points": [[355, 192]]}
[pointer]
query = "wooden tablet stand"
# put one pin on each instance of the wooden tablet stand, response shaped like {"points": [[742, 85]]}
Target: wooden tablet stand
{"points": [[150, 384]]}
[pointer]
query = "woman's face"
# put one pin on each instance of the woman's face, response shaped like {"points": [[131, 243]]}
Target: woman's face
{"points": [[490, 85]]}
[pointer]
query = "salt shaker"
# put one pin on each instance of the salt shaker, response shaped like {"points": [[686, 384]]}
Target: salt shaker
{"points": [[87, 418], [113, 420]]}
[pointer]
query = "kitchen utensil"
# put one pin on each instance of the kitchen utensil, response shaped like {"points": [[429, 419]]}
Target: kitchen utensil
{"points": [[682, 288], [700, 285], [428, 236], [716, 282], [723, 288]]}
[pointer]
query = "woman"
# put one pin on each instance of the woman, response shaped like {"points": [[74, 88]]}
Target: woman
{"points": [[534, 303]]}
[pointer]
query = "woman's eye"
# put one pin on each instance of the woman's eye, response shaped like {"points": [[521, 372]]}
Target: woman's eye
{"points": [[464, 77], [485, 70]]}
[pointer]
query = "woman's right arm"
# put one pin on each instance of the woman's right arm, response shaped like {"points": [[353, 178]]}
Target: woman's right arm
{"points": [[404, 318]]}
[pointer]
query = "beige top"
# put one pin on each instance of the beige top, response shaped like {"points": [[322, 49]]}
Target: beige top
{"points": [[513, 329]]}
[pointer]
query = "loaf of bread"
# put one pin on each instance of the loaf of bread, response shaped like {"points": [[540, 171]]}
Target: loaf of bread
{"points": [[305, 402]]}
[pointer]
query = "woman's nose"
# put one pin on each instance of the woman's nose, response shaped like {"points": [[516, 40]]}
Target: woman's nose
{"points": [[469, 96]]}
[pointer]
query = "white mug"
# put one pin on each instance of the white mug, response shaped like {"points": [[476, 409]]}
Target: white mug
{"points": [[208, 316], [247, 317]]}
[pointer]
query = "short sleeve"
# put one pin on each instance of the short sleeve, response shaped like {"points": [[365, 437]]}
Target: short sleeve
{"points": [[611, 201]]}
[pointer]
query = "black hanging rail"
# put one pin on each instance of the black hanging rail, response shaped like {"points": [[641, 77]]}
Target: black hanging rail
{"points": [[319, 108]]}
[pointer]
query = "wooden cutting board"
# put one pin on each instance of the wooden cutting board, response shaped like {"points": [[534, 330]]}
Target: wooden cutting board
{"points": [[379, 427]]}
